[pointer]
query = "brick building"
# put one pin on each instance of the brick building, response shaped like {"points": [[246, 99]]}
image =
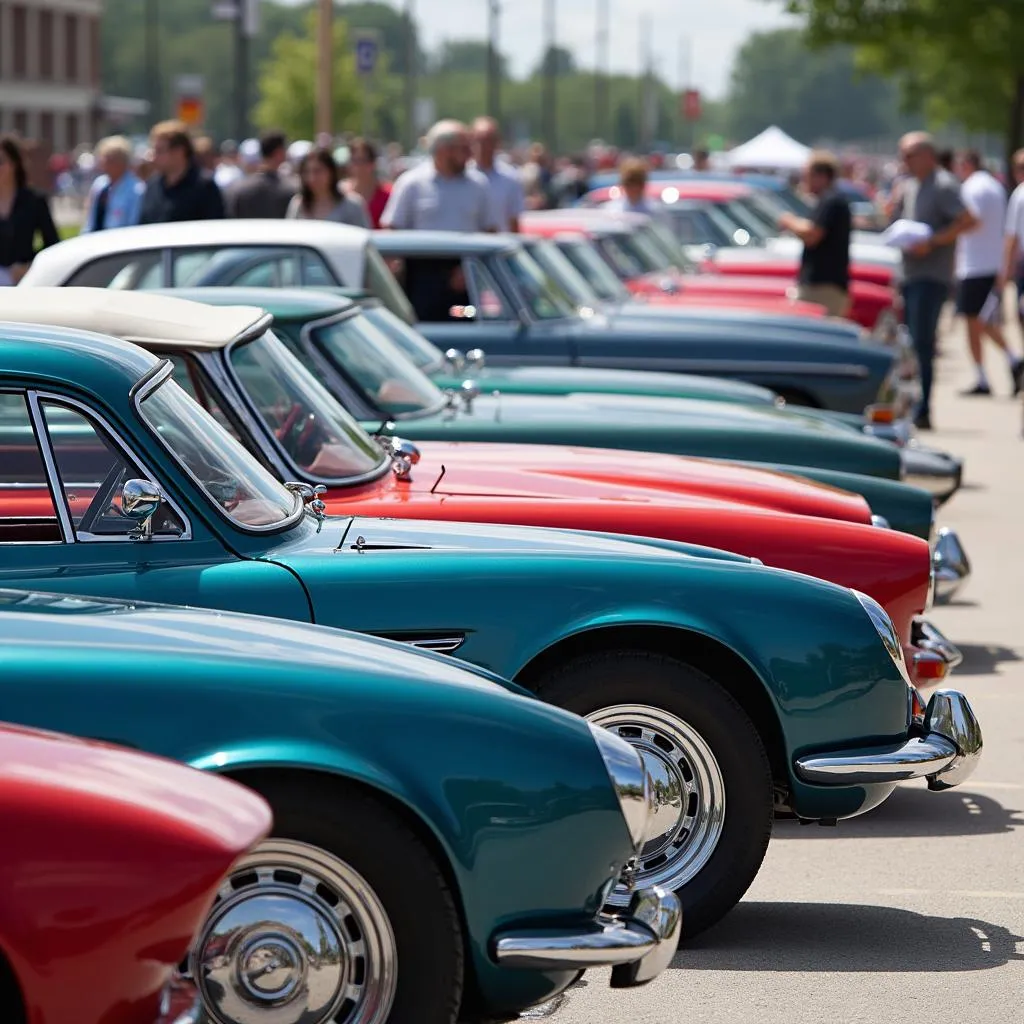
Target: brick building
{"points": [[50, 71]]}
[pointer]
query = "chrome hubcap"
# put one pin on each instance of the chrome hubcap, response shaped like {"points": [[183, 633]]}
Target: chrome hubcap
{"points": [[688, 789], [295, 936]]}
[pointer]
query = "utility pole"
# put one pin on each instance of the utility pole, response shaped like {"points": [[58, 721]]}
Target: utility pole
{"points": [[549, 92], [242, 69], [601, 73], [154, 86], [493, 62], [411, 133], [683, 78], [643, 122], [325, 69]]}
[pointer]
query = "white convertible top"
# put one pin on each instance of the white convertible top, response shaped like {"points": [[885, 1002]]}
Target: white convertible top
{"points": [[132, 316], [56, 264]]}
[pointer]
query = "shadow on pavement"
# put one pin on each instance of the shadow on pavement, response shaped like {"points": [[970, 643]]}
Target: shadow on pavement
{"points": [[985, 659], [842, 937], [915, 812]]}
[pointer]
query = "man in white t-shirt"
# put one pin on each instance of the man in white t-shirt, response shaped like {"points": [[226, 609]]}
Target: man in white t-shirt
{"points": [[443, 193], [507, 191], [979, 257], [1013, 243]]}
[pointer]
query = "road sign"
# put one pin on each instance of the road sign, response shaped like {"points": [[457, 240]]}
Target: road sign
{"points": [[188, 91], [367, 53], [691, 104]]}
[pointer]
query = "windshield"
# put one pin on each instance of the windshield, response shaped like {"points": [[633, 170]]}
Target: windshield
{"points": [[644, 252], [369, 360], [544, 298], [661, 238], [550, 259], [381, 284], [744, 217], [316, 434], [627, 264], [587, 260], [221, 466], [422, 353]]}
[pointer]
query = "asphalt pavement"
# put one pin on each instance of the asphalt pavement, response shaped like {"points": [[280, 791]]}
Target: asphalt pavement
{"points": [[915, 911]]}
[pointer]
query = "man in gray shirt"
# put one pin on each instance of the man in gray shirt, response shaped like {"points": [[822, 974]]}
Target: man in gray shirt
{"points": [[502, 178], [443, 193], [931, 196]]}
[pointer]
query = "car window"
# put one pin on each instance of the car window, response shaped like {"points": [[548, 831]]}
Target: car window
{"points": [[314, 272], [27, 512], [586, 258], [188, 377], [484, 293], [125, 270], [379, 281], [540, 294], [92, 469], [435, 285]]}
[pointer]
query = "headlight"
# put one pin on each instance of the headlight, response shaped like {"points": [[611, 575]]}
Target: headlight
{"points": [[886, 631], [881, 522], [629, 778]]}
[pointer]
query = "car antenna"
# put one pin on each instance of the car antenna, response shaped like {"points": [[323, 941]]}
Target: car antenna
{"points": [[440, 477]]}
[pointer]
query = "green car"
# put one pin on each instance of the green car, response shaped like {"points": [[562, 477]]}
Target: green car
{"points": [[441, 841], [373, 380], [746, 688]]}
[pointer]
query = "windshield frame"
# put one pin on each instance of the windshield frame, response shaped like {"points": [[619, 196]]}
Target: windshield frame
{"points": [[504, 261], [423, 343], [149, 383], [594, 260], [580, 292], [300, 474], [306, 338]]}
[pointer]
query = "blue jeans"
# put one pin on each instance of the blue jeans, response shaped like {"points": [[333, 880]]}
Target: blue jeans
{"points": [[923, 302]]}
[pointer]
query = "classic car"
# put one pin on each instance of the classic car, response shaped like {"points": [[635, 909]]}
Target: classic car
{"points": [[649, 267], [237, 367], [446, 839], [111, 858], [748, 687]]}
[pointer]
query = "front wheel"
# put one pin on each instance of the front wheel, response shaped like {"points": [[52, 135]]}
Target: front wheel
{"points": [[711, 777], [341, 917]]}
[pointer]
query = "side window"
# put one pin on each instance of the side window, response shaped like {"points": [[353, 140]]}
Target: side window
{"points": [[485, 294], [92, 469], [277, 272], [434, 285], [27, 512], [126, 270], [314, 272]]}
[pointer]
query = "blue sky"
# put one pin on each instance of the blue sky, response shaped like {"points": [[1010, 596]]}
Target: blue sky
{"points": [[716, 27]]}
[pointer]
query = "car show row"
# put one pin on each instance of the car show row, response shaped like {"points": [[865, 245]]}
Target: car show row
{"points": [[493, 595]]}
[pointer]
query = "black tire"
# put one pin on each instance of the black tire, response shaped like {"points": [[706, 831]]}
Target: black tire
{"points": [[358, 829], [590, 683]]}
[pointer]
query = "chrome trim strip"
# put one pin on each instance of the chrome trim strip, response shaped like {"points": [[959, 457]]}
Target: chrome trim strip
{"points": [[52, 476], [440, 645], [726, 366], [132, 458]]}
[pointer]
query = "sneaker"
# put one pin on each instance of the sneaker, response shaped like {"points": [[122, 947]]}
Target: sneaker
{"points": [[923, 421], [978, 389], [1017, 376]]}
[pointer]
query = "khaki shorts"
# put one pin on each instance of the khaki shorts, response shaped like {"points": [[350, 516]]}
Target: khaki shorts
{"points": [[831, 296]]}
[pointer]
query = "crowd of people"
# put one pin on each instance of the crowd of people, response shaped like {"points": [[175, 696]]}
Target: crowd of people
{"points": [[463, 179]]}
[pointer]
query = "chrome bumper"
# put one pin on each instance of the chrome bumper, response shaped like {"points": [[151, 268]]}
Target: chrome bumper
{"points": [[179, 1003], [925, 635], [945, 749], [951, 565], [938, 473], [637, 945]]}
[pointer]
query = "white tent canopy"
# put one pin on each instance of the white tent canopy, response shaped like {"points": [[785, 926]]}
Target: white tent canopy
{"points": [[772, 150]]}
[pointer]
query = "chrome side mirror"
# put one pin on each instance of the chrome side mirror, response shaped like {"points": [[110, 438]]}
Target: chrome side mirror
{"points": [[311, 499], [475, 359], [404, 455], [455, 359], [140, 500], [469, 392]]}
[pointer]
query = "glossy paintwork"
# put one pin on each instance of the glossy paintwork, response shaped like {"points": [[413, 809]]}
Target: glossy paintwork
{"points": [[110, 859], [841, 375], [493, 779]]}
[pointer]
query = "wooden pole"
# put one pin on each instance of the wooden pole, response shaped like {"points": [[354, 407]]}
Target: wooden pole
{"points": [[325, 68]]}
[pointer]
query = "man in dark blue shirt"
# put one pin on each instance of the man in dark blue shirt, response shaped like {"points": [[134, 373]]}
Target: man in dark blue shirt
{"points": [[179, 190]]}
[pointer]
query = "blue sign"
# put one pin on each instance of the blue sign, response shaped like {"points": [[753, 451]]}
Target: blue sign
{"points": [[366, 55]]}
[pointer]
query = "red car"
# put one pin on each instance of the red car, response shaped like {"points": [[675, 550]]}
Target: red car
{"points": [[109, 864]]}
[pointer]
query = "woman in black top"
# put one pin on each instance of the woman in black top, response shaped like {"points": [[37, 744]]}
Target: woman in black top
{"points": [[24, 213]]}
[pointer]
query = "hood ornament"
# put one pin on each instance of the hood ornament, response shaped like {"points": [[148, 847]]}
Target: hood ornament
{"points": [[311, 499], [403, 454], [455, 359], [470, 391], [475, 360]]}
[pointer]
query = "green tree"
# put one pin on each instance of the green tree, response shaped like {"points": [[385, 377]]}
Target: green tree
{"points": [[287, 83], [960, 58], [562, 60], [462, 55]]}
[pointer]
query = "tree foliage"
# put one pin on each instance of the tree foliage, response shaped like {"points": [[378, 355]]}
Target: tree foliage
{"points": [[462, 55]]}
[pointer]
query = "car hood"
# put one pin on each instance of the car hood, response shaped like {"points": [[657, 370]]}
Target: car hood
{"points": [[628, 315], [603, 475]]}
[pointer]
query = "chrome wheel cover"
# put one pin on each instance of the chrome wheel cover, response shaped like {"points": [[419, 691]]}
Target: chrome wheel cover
{"points": [[296, 936], [688, 790]]}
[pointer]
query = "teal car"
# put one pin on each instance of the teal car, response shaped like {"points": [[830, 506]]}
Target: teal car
{"points": [[746, 688], [442, 841], [373, 380]]}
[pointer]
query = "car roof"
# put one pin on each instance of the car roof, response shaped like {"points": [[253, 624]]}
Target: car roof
{"points": [[426, 242], [67, 256], [286, 303], [671, 190], [142, 317]]}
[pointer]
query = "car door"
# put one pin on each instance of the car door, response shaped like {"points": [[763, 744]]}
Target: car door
{"points": [[62, 471]]}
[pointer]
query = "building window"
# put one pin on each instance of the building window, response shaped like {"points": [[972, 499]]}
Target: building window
{"points": [[71, 138], [71, 48], [46, 128], [19, 30], [94, 51], [46, 45], [21, 123]]}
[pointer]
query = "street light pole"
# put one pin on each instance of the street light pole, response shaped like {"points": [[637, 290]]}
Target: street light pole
{"points": [[154, 85], [493, 65], [410, 76], [601, 73], [549, 92], [325, 70], [241, 71]]}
